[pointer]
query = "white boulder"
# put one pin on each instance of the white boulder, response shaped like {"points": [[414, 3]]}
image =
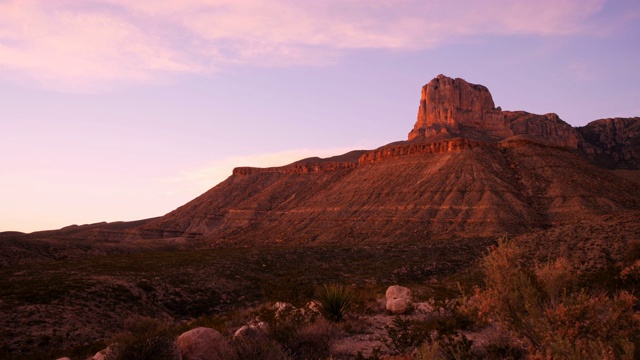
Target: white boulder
{"points": [[398, 299], [203, 344]]}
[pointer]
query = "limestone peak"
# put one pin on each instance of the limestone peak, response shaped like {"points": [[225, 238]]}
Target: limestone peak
{"points": [[456, 108]]}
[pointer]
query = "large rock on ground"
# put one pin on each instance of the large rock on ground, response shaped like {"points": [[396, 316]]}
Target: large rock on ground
{"points": [[252, 330], [398, 299], [203, 344]]}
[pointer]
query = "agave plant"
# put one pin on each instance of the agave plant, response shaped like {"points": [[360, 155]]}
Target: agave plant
{"points": [[334, 300]]}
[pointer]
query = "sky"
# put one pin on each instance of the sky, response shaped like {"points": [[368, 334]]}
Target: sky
{"points": [[118, 110]]}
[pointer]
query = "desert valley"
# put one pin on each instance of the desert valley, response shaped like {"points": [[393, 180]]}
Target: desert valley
{"points": [[559, 204]]}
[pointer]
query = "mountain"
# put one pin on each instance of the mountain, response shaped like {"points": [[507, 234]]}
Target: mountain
{"points": [[468, 169]]}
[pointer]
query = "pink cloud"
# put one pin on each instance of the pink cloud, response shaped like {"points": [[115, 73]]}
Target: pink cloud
{"points": [[71, 44]]}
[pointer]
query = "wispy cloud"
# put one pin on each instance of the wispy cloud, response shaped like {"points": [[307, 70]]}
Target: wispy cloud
{"points": [[69, 44], [197, 180]]}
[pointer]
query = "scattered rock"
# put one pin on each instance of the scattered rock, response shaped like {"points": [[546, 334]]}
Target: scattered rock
{"points": [[100, 355], [424, 308], [202, 344], [251, 330], [312, 306], [281, 307], [398, 299]]}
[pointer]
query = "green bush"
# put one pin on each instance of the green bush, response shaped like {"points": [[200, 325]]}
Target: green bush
{"points": [[283, 322], [544, 308], [445, 347], [404, 335], [313, 341], [258, 348], [334, 300], [300, 333], [144, 339]]}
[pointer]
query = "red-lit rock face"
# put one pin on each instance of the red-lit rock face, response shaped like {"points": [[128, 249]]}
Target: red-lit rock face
{"points": [[450, 105], [455, 108]]}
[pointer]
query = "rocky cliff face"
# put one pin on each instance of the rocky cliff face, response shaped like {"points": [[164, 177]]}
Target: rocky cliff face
{"points": [[548, 129], [455, 108], [451, 106], [612, 143]]}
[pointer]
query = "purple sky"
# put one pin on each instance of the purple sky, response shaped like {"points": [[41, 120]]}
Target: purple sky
{"points": [[122, 110]]}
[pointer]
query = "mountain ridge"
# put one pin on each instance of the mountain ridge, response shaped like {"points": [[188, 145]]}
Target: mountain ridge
{"points": [[467, 169]]}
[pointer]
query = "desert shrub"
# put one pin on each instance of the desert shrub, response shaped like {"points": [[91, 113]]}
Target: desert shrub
{"points": [[404, 335], [440, 332], [430, 351], [313, 341], [630, 275], [503, 351], [356, 325], [334, 300], [375, 355], [300, 333], [143, 339], [455, 346], [284, 322], [258, 348], [544, 307], [444, 340]]}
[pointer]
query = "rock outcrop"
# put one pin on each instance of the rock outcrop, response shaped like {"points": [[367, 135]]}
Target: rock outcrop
{"points": [[455, 108], [251, 330], [297, 168], [548, 129], [612, 143]]}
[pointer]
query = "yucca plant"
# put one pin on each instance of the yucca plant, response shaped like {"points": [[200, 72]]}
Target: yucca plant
{"points": [[334, 300]]}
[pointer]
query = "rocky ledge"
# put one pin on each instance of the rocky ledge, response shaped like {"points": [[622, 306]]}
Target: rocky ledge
{"points": [[296, 168]]}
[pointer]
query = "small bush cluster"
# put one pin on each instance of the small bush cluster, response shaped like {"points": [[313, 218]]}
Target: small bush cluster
{"points": [[258, 348], [300, 332], [143, 339], [292, 334], [436, 338], [404, 335], [545, 308]]}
